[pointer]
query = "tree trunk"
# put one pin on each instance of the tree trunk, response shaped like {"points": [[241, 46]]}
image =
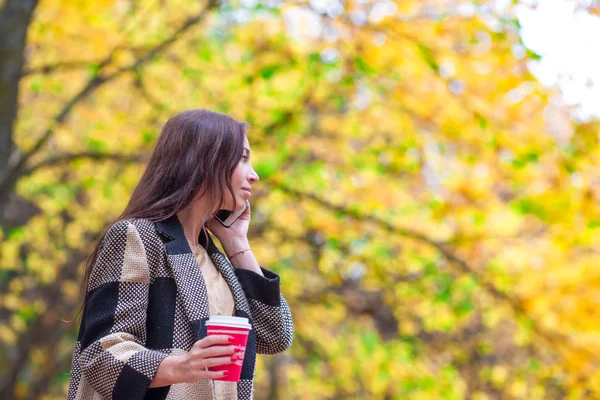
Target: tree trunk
{"points": [[14, 23]]}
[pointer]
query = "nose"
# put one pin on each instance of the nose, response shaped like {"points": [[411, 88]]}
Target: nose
{"points": [[253, 176]]}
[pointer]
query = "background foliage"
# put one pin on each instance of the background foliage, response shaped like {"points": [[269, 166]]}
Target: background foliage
{"points": [[431, 208]]}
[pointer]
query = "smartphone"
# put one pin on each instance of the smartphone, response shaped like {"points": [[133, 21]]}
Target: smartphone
{"points": [[228, 217]]}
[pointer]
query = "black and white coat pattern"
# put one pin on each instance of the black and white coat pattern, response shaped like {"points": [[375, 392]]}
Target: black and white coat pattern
{"points": [[147, 300]]}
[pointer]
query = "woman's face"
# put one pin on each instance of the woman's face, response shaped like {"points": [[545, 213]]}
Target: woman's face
{"points": [[242, 180]]}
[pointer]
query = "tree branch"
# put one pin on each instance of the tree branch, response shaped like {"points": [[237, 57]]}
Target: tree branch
{"points": [[140, 85], [67, 158], [62, 66]]}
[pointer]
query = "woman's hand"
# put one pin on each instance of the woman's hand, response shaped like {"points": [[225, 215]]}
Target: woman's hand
{"points": [[234, 238], [209, 352]]}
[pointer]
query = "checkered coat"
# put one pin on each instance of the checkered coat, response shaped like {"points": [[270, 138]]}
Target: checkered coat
{"points": [[146, 300]]}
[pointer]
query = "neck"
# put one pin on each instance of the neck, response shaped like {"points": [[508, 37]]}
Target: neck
{"points": [[192, 220]]}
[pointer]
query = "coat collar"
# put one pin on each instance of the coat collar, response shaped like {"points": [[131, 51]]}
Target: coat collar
{"points": [[174, 238]]}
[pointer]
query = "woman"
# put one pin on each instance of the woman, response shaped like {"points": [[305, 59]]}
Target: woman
{"points": [[156, 276]]}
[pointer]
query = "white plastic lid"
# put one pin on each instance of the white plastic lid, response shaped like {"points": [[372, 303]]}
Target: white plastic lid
{"points": [[225, 321]]}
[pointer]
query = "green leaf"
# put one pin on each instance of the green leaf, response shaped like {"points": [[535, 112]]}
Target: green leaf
{"points": [[94, 70], [17, 233], [522, 160], [464, 307], [481, 121], [533, 55], [268, 71], [96, 144], [363, 66], [370, 341], [428, 57], [205, 53], [531, 207], [149, 136], [266, 167], [36, 85], [444, 289]]}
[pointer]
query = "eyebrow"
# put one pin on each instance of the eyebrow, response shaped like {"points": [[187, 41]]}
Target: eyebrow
{"points": [[247, 149]]}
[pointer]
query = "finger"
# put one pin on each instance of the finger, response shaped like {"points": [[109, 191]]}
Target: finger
{"points": [[203, 374], [213, 374], [212, 225], [216, 361], [211, 341], [216, 351]]}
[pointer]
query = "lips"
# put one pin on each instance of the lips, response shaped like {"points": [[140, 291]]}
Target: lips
{"points": [[248, 190]]}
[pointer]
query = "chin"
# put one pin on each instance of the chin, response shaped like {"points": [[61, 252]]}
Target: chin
{"points": [[240, 204]]}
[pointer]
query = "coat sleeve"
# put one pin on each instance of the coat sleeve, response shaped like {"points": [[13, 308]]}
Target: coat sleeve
{"points": [[113, 358], [270, 312]]}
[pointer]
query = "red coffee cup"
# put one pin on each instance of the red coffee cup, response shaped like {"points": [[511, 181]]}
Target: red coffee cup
{"points": [[238, 328]]}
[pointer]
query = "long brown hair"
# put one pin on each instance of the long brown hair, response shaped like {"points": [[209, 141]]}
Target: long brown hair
{"points": [[195, 155]]}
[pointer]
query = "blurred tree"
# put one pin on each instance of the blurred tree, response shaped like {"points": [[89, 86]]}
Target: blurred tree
{"points": [[432, 210]]}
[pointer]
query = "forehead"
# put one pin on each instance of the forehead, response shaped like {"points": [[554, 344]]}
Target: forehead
{"points": [[246, 143]]}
